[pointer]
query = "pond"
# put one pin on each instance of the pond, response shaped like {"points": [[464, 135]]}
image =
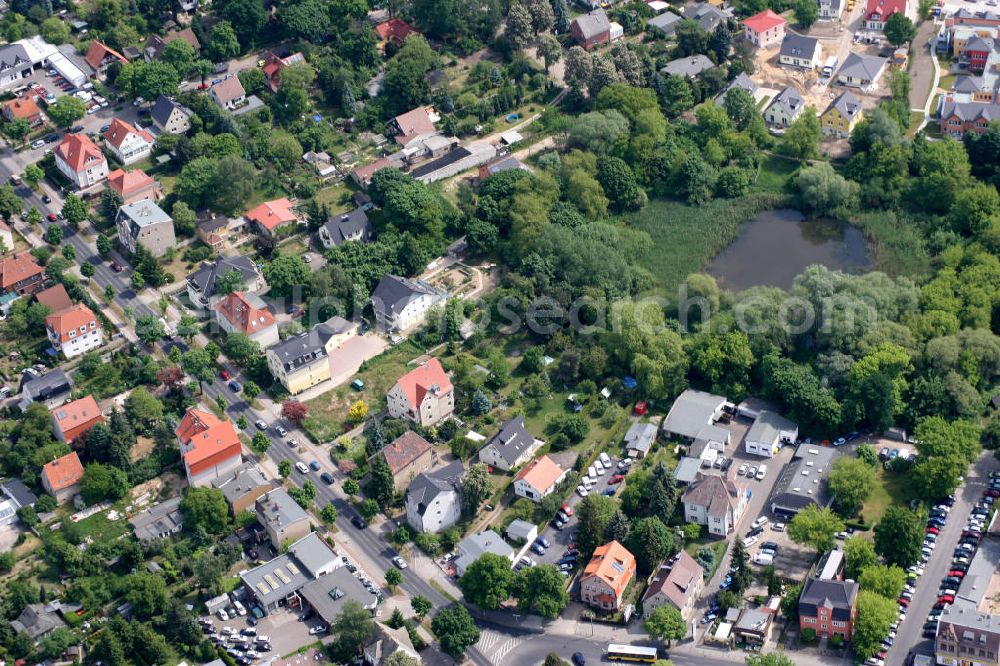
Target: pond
{"points": [[777, 245]]}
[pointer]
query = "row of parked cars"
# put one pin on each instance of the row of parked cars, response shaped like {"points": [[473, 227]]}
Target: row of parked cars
{"points": [[600, 467], [243, 646]]}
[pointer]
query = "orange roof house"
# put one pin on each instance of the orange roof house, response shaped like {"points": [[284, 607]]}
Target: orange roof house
{"points": [[71, 320], [210, 447], [424, 395], [538, 478], [61, 477], [273, 65], [271, 215], [608, 574], [24, 108], [55, 298], [20, 274], [72, 420], [134, 185], [80, 160], [394, 31], [100, 56], [247, 314]]}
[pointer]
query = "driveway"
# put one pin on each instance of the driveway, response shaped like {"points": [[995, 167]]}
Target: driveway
{"points": [[922, 68]]}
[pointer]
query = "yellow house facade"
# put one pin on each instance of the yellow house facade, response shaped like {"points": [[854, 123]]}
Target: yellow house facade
{"points": [[841, 117], [304, 361]]}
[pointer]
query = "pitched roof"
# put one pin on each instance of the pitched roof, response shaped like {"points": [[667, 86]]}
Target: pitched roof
{"points": [[798, 46], [768, 426], [676, 579], [859, 65], [240, 482], [404, 450], [593, 24], [712, 491], [395, 30], [99, 51], [23, 107], [17, 267], [344, 226], [541, 473], [789, 100], [208, 275], [428, 485], [73, 318], [511, 441], [689, 66], [692, 411], [971, 111], [229, 89], [428, 377], [77, 413], [120, 130], [667, 22], [77, 150], [414, 123], [741, 81], [279, 509], [273, 214], [968, 84], [837, 595], [640, 436], [763, 21], [884, 8], [55, 297], [155, 44], [195, 421], [63, 472], [393, 293], [163, 108], [978, 43], [246, 313], [126, 183], [308, 346], [209, 444], [846, 104], [612, 563]]}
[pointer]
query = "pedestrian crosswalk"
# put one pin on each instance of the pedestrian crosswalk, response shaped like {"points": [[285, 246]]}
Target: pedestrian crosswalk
{"points": [[496, 645]]}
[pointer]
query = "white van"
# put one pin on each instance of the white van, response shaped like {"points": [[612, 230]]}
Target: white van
{"points": [[763, 559], [599, 467], [760, 521], [605, 459], [761, 471], [586, 482], [592, 472], [301, 466]]}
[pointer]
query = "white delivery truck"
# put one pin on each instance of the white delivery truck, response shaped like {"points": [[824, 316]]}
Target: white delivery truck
{"points": [[829, 66]]}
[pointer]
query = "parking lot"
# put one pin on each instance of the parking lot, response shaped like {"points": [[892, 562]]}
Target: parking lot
{"points": [[282, 627]]}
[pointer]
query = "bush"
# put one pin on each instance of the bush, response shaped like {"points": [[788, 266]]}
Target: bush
{"points": [[836, 641], [808, 636]]}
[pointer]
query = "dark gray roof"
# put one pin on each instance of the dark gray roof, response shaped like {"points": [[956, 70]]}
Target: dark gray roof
{"points": [[394, 293], [837, 595], [428, 485], [593, 23], [276, 579], [38, 620], [665, 22], [707, 15], [328, 594], [208, 221], [640, 436], [804, 480], [861, 66], [163, 108], [313, 553], [13, 56], [205, 277], [17, 491], [847, 104], [162, 518], [742, 81], [44, 387], [790, 100], [306, 347], [278, 508], [798, 46], [508, 163], [689, 66], [348, 226], [512, 440], [240, 482], [968, 84], [970, 111], [455, 155]]}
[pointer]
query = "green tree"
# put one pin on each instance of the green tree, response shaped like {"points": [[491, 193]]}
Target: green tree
{"points": [[859, 554], [666, 624], [806, 13], [53, 234], [67, 110], [455, 630], [887, 581], [899, 29], [284, 273], [852, 482], [651, 542], [74, 211], [487, 582], [352, 628], [815, 527], [875, 614], [542, 590], [149, 329], [421, 605], [33, 175], [223, 44], [770, 659], [260, 442], [740, 107], [104, 245], [381, 487], [593, 515], [147, 593], [205, 509], [802, 136], [103, 482], [898, 536], [284, 468], [476, 488], [180, 55], [821, 189], [55, 30], [393, 578]]}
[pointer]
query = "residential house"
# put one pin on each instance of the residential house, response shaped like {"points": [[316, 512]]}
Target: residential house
{"points": [[689, 66], [20, 274], [804, 480], [79, 159], [769, 432], [799, 51], [39, 620], [228, 93], [666, 23], [861, 71], [414, 124], [170, 116], [273, 65], [155, 44], [362, 175], [828, 607], [841, 117], [303, 361], [958, 119], [145, 223], [510, 447], [783, 110], [203, 284], [877, 12], [830, 9], [715, 501], [271, 216], [707, 15], [764, 29], [134, 185], [322, 163], [639, 439], [210, 447], [434, 499], [246, 313], [52, 388], [538, 479], [100, 56], [608, 574], [591, 29], [74, 330], [6, 238], [18, 493], [212, 229], [24, 108], [521, 531], [394, 31], [678, 583], [15, 64], [343, 227], [473, 546], [128, 143], [408, 455], [72, 420], [424, 395], [55, 298], [741, 81], [242, 487], [61, 477], [160, 521], [753, 627], [400, 303], [505, 163], [387, 641], [281, 516]]}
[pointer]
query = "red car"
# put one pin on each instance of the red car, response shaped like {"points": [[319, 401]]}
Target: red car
{"points": [[567, 509], [617, 478], [946, 599], [992, 492], [52, 217], [116, 267], [957, 573], [903, 601], [932, 530], [972, 533], [224, 374]]}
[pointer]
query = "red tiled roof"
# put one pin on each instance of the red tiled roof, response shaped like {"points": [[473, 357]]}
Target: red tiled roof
{"points": [[17, 267], [72, 318], [23, 107], [128, 182], [273, 214], [119, 131], [63, 472], [614, 564], [209, 439], [244, 316], [417, 383], [77, 416], [76, 150], [884, 8], [395, 30], [55, 297], [763, 21], [404, 450], [195, 421], [98, 51], [540, 473]]}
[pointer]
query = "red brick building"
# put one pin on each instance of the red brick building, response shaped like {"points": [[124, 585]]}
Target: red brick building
{"points": [[828, 607]]}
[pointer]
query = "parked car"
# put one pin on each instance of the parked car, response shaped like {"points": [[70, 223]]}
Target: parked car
{"points": [[742, 469], [314, 465], [261, 425], [280, 430]]}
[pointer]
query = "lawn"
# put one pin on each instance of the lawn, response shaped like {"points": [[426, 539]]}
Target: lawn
{"points": [[775, 172], [717, 545], [947, 81], [332, 196], [916, 117], [891, 489], [686, 238]]}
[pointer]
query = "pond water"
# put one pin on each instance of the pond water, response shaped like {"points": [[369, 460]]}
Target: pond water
{"points": [[777, 245]]}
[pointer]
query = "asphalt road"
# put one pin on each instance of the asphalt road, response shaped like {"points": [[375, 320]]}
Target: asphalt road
{"points": [[533, 652]]}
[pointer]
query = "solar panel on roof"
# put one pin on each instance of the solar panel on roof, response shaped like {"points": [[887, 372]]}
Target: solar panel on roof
{"points": [[282, 575], [270, 581], [262, 588], [292, 568], [618, 567]]}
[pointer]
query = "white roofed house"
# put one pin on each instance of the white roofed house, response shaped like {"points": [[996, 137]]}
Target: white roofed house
{"points": [[768, 433], [510, 447], [400, 303], [433, 499], [693, 416], [716, 502]]}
